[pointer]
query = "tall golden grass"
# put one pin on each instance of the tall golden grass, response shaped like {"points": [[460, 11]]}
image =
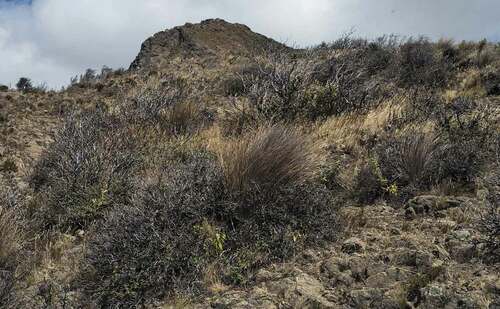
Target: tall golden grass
{"points": [[268, 156]]}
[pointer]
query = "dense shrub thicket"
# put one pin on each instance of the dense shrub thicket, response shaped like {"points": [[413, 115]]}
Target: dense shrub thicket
{"points": [[345, 76], [89, 167], [188, 220], [11, 241]]}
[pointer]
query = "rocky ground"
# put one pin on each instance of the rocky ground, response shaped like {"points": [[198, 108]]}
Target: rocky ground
{"points": [[386, 259]]}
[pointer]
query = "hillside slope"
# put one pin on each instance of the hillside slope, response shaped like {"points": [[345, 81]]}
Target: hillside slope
{"points": [[226, 170]]}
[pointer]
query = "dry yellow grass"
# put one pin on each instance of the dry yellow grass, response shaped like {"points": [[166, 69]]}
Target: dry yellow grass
{"points": [[347, 130], [10, 235], [182, 117], [269, 155]]}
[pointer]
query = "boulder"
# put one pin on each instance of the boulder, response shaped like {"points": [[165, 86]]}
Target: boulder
{"points": [[353, 245], [427, 204]]}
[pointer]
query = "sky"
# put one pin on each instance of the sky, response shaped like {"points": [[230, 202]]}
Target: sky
{"points": [[50, 41]]}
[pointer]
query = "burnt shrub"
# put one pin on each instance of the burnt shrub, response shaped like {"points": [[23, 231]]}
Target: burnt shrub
{"points": [[163, 106], [278, 223], [317, 83], [467, 132], [187, 220], [490, 225], [369, 183], [274, 87], [11, 242], [420, 64], [152, 248], [148, 107], [233, 85], [88, 168], [490, 222], [491, 80], [449, 50], [347, 82]]}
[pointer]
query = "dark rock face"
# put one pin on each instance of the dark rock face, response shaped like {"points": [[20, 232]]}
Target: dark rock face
{"points": [[212, 37]]}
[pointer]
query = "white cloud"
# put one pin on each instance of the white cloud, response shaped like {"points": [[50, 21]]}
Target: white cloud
{"points": [[54, 39]]}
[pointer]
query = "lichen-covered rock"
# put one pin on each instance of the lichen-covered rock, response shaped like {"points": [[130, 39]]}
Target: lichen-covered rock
{"points": [[366, 298], [415, 258], [426, 204], [353, 245]]}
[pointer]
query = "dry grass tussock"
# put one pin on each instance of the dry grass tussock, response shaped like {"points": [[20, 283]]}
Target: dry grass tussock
{"points": [[268, 156], [10, 234], [349, 129]]}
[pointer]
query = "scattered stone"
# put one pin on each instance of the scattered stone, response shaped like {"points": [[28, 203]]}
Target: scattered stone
{"points": [[415, 258], [380, 280], [464, 253], [353, 245], [426, 204], [461, 235], [80, 233], [435, 296], [365, 298]]}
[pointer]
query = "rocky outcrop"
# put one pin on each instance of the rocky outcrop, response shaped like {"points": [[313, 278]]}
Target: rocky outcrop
{"points": [[391, 262], [210, 38]]}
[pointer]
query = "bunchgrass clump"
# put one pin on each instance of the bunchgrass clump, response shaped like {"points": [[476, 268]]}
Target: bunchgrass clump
{"points": [[268, 156]]}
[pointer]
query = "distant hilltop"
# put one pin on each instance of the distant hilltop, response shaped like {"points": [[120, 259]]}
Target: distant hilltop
{"points": [[212, 37]]}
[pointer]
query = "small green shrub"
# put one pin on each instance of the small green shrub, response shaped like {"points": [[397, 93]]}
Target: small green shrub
{"points": [[24, 84], [319, 100]]}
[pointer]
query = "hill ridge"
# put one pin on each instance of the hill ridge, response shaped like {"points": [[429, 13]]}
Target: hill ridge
{"points": [[211, 37]]}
